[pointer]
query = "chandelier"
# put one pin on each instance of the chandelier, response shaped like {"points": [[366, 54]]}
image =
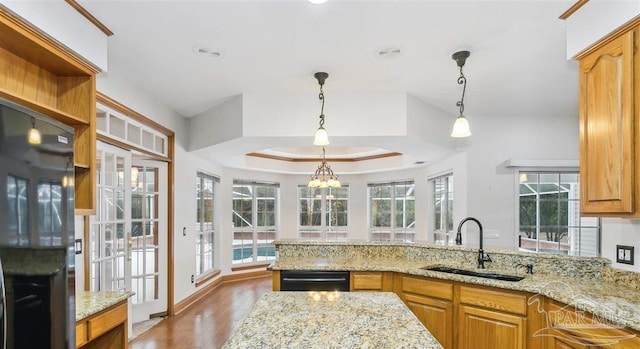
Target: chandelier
{"points": [[324, 176]]}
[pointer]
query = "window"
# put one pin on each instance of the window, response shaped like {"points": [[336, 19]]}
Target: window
{"points": [[392, 211], [443, 209], [323, 213], [254, 221], [204, 223], [549, 215]]}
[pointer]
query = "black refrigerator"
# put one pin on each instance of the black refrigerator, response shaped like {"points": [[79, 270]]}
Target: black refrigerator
{"points": [[36, 230]]}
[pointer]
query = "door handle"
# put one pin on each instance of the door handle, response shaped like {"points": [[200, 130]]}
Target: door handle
{"points": [[129, 245]]}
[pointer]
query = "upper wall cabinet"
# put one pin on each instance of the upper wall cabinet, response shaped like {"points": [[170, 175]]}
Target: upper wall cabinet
{"points": [[39, 73], [609, 131]]}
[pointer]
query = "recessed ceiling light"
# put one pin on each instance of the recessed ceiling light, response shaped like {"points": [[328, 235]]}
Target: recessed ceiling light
{"points": [[207, 52], [389, 52], [420, 162], [317, 2]]}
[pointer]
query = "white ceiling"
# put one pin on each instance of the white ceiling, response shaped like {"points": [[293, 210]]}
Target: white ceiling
{"points": [[517, 65]]}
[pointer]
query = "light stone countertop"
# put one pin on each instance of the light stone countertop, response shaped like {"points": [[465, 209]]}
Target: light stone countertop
{"points": [[350, 320], [611, 301], [90, 303]]}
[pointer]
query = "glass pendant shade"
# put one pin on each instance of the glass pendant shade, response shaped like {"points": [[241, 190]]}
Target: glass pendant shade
{"points": [[461, 127], [34, 136], [321, 137]]}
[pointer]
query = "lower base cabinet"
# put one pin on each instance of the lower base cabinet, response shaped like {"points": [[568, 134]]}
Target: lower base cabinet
{"points": [[431, 301], [487, 329], [574, 328], [436, 315], [105, 330]]}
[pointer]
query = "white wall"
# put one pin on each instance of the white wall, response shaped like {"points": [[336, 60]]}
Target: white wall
{"points": [[618, 231], [491, 189], [75, 31], [596, 19], [220, 124], [347, 114]]}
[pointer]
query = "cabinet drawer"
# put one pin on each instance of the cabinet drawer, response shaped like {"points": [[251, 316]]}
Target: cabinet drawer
{"points": [[428, 287], [366, 280], [81, 334], [107, 320], [492, 299]]}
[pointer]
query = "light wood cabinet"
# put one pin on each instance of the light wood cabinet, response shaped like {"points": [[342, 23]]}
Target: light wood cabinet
{"points": [[371, 281], [572, 328], [609, 127], [558, 340], [432, 302], [104, 330], [480, 328], [40, 74], [490, 318]]}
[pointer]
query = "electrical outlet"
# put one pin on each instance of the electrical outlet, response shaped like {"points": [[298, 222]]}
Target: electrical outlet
{"points": [[624, 254], [192, 278]]}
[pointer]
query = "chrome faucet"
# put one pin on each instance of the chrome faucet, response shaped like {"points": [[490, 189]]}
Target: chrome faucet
{"points": [[481, 256]]}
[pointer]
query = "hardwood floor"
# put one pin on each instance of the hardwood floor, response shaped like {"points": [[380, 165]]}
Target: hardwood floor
{"points": [[208, 323]]}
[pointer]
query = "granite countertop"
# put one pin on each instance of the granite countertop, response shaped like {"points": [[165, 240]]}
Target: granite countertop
{"points": [[611, 301], [90, 303], [331, 320]]}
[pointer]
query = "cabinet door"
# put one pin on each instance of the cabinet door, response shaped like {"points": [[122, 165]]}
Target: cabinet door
{"points": [[436, 315], [607, 128], [486, 329]]}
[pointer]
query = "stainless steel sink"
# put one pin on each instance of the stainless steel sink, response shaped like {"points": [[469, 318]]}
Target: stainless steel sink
{"points": [[502, 277]]}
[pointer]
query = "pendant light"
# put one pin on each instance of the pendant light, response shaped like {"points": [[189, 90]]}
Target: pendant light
{"points": [[461, 125], [34, 136], [321, 138]]}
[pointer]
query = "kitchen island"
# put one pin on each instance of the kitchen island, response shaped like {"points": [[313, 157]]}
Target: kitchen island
{"points": [[331, 320], [566, 300]]}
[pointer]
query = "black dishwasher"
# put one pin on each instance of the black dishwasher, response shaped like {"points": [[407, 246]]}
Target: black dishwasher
{"points": [[312, 280]]}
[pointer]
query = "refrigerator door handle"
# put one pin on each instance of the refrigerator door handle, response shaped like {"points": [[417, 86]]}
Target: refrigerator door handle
{"points": [[129, 244]]}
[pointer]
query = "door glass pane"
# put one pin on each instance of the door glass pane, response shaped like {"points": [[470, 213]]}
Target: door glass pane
{"points": [[150, 177], [109, 163]]}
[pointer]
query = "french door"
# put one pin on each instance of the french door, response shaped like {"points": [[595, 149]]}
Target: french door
{"points": [[128, 234]]}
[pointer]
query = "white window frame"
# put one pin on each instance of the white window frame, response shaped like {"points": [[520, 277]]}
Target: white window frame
{"points": [[551, 170], [446, 235], [323, 232], [392, 230], [254, 229], [201, 244]]}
